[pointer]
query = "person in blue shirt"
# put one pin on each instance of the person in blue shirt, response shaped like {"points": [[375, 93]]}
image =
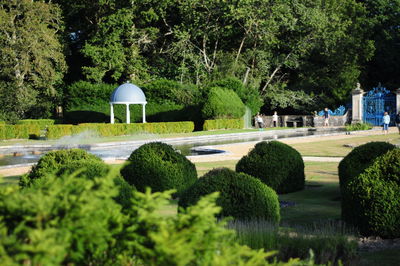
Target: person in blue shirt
{"points": [[386, 122]]}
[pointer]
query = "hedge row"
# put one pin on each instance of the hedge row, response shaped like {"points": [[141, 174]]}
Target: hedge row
{"points": [[42, 123], [19, 131], [106, 130], [223, 124]]}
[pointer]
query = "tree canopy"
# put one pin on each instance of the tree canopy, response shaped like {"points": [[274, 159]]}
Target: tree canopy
{"points": [[299, 54]]}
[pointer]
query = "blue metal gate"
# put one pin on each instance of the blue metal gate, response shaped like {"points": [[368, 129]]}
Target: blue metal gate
{"points": [[375, 103]]}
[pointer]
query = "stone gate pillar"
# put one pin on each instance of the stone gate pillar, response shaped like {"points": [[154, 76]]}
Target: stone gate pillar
{"points": [[397, 100], [357, 105]]}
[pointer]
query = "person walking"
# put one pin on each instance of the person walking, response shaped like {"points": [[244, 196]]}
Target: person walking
{"points": [[386, 122], [275, 119], [259, 121], [397, 120], [326, 117]]}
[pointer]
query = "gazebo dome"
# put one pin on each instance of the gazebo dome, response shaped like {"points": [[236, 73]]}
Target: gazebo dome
{"points": [[128, 93]]}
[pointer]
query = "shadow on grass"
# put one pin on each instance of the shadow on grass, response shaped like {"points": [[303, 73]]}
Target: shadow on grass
{"points": [[9, 180]]}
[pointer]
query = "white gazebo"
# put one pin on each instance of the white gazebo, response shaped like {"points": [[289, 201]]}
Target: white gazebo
{"points": [[127, 94]]}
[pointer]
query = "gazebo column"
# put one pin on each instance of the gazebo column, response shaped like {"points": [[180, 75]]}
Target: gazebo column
{"points": [[128, 114], [144, 112], [112, 114]]}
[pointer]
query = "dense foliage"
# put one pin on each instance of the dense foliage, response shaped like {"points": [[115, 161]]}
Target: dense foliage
{"points": [[240, 195], [32, 58], [276, 164], [158, 166], [69, 220], [53, 161], [222, 103], [360, 158], [374, 197], [285, 54]]}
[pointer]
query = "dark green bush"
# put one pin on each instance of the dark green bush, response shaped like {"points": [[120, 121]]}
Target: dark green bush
{"points": [[360, 158], [53, 161], [163, 90], [249, 95], [374, 197], [222, 103], [158, 166], [241, 196], [276, 164], [87, 168]]}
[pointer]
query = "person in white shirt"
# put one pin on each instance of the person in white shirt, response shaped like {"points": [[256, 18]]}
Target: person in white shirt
{"points": [[386, 122], [275, 119]]}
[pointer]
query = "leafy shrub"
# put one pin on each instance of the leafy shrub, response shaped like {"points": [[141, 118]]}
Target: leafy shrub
{"points": [[249, 95], [88, 168], [223, 124], [53, 161], [358, 126], [75, 221], [241, 196], [163, 90], [223, 103], [360, 158], [19, 131], [374, 197], [158, 166], [60, 221], [276, 164]]}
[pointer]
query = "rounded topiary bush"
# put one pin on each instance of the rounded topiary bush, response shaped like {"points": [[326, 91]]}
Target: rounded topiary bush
{"points": [[360, 158], [88, 168], [374, 197], [222, 103], [158, 166], [53, 161], [241, 196], [276, 164]]}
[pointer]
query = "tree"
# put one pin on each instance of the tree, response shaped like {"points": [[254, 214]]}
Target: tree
{"points": [[384, 30], [32, 60]]}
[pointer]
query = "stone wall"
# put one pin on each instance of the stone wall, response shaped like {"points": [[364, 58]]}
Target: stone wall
{"points": [[305, 120]]}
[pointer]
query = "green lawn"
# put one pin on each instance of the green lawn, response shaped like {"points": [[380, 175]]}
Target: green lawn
{"points": [[336, 147]]}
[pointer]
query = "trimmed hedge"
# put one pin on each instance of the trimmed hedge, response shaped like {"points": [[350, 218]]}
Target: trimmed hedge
{"points": [[360, 158], [223, 103], [89, 168], [375, 197], [42, 123], [158, 166], [106, 130], [19, 131], [276, 164], [53, 161], [241, 196], [223, 124]]}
